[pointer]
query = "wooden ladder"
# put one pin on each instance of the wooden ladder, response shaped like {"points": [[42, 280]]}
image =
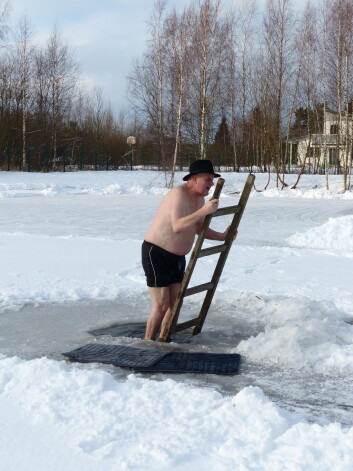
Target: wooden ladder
{"points": [[223, 249]]}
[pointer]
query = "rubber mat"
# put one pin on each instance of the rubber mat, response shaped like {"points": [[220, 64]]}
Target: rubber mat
{"points": [[135, 330], [157, 360]]}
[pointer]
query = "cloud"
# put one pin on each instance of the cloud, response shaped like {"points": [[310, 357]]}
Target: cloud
{"points": [[104, 37]]}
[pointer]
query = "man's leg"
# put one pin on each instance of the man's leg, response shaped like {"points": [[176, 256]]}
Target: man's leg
{"points": [[173, 292], [160, 305]]}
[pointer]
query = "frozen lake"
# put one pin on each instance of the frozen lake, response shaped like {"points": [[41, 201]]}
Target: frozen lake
{"points": [[70, 263]]}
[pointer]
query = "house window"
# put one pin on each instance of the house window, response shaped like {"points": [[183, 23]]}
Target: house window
{"points": [[333, 156], [334, 129]]}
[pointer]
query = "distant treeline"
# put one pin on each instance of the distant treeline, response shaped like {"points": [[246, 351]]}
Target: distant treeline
{"points": [[230, 83], [47, 119]]}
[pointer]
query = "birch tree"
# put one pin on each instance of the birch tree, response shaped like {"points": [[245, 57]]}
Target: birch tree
{"points": [[6, 71], [344, 12], [339, 60], [23, 59], [322, 41], [178, 52], [245, 44], [5, 8], [307, 62], [211, 32], [60, 82], [98, 114], [147, 81], [232, 94], [278, 35]]}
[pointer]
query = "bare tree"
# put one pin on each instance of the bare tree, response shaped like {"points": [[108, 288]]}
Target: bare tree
{"points": [[245, 44], [60, 81], [231, 94], [5, 8], [98, 115], [178, 52], [278, 37], [346, 13], [307, 63], [7, 82], [147, 82], [340, 37], [322, 41], [263, 119], [211, 33], [22, 55]]}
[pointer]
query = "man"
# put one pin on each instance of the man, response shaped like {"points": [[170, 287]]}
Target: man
{"points": [[170, 237]]}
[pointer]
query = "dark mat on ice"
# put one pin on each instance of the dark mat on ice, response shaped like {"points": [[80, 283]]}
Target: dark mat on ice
{"points": [[135, 330], [157, 360]]}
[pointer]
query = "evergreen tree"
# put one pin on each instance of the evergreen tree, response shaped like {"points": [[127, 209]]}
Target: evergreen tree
{"points": [[222, 137]]}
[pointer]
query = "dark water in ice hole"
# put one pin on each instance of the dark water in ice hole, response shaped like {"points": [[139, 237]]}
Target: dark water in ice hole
{"points": [[49, 330]]}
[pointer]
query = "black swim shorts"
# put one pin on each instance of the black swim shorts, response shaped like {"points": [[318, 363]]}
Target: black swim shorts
{"points": [[162, 268]]}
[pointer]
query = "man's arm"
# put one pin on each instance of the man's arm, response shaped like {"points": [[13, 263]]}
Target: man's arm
{"points": [[182, 223], [214, 235]]}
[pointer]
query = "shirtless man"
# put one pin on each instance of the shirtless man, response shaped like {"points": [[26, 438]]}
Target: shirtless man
{"points": [[171, 236]]}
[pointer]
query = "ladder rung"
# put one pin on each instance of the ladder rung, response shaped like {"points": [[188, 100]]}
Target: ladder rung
{"points": [[199, 288], [212, 250], [227, 210], [186, 325]]}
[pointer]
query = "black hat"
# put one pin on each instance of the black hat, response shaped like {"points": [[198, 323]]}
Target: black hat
{"points": [[200, 166]]}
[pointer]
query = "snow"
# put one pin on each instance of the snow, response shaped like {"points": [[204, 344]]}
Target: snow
{"points": [[95, 422], [335, 235], [70, 262]]}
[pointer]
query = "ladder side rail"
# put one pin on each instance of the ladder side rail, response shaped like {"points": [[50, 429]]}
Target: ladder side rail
{"points": [[209, 296], [242, 203], [198, 245], [174, 315], [223, 256]]}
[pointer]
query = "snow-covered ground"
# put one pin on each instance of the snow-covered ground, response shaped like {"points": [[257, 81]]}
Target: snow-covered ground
{"points": [[70, 262]]}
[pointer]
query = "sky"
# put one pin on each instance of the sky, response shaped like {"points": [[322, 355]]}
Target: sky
{"points": [[105, 36]]}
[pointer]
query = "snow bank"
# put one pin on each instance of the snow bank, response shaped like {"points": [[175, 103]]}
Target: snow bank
{"points": [[299, 333], [80, 419], [67, 269], [18, 184], [336, 234], [313, 193]]}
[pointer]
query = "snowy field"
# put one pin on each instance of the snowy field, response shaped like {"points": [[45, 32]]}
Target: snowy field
{"points": [[70, 262]]}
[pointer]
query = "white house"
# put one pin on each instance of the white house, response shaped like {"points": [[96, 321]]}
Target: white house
{"points": [[331, 148]]}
